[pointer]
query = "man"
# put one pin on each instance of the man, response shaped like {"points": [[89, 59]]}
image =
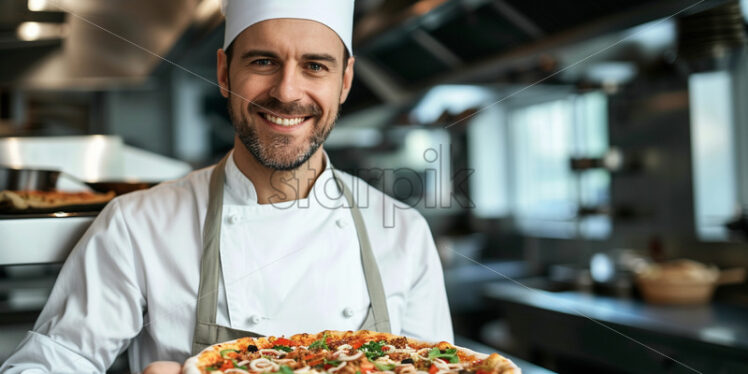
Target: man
{"points": [[272, 240]]}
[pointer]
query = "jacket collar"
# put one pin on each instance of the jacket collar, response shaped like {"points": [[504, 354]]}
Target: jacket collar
{"points": [[240, 190]]}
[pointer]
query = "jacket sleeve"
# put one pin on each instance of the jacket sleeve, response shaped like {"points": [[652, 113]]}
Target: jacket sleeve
{"points": [[95, 308], [427, 314]]}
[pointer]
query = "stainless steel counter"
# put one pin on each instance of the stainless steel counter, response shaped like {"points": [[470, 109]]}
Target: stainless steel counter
{"points": [[40, 240], [611, 331]]}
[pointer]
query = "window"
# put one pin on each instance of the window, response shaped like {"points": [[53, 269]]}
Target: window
{"points": [[713, 151], [546, 193], [487, 157]]}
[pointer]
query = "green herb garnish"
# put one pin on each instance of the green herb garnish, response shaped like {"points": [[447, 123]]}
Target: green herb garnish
{"points": [[211, 368], [332, 362], [285, 370], [384, 367], [283, 348], [320, 344], [448, 354], [224, 351], [373, 350], [236, 365]]}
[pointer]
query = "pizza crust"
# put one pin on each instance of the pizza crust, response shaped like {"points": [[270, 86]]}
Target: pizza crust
{"points": [[23, 200], [193, 364], [190, 366]]}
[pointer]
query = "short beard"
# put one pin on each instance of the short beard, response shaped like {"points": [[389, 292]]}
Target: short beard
{"points": [[263, 153]]}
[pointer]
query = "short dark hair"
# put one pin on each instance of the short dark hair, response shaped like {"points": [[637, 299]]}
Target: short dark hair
{"points": [[230, 52]]}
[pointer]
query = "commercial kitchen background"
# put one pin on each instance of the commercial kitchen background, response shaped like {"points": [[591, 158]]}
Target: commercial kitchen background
{"points": [[546, 142]]}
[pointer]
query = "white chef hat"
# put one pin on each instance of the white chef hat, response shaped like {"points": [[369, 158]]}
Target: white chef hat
{"points": [[335, 14]]}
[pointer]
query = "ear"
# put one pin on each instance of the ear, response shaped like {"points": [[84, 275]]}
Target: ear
{"points": [[222, 72], [347, 79]]}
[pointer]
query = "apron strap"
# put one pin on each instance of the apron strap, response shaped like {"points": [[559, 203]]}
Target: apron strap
{"points": [[371, 269], [210, 263]]}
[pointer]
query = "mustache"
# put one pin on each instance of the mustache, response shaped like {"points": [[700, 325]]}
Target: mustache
{"points": [[276, 107]]}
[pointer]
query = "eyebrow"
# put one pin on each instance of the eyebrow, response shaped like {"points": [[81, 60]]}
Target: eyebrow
{"points": [[320, 57], [308, 56], [258, 53]]}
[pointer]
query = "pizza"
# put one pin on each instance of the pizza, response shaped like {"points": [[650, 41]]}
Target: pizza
{"points": [[22, 200], [344, 352]]}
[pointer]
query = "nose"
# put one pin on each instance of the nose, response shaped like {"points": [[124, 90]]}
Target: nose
{"points": [[287, 87]]}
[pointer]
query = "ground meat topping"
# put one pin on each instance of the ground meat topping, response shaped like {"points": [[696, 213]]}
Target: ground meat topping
{"points": [[399, 343]]}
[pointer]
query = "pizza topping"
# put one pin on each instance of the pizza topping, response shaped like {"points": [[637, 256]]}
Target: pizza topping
{"points": [[285, 370], [400, 342], [384, 367], [235, 370], [262, 364], [441, 365], [284, 341], [345, 353], [433, 369], [372, 350], [448, 354], [326, 364], [320, 344], [340, 366], [284, 361], [272, 352], [344, 357], [385, 360]]}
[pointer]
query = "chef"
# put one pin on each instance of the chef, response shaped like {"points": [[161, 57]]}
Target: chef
{"points": [[272, 240]]}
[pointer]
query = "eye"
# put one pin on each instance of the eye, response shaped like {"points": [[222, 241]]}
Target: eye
{"points": [[262, 62], [313, 66]]}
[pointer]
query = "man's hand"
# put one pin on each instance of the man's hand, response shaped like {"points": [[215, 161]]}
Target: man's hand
{"points": [[163, 367]]}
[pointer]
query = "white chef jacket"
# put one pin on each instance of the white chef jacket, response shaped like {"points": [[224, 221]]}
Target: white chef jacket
{"points": [[286, 268]]}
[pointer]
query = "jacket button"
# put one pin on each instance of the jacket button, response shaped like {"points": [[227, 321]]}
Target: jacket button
{"points": [[347, 312], [341, 223], [233, 219], [255, 319]]}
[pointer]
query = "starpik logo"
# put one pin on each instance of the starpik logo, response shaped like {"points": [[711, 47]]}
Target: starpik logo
{"points": [[430, 186]]}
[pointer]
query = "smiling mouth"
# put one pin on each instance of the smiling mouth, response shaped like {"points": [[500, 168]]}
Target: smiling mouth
{"points": [[283, 121]]}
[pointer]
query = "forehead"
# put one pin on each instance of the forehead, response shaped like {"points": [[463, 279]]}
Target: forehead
{"points": [[290, 35]]}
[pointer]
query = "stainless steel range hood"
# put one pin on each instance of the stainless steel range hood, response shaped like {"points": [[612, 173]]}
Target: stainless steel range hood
{"points": [[108, 43]]}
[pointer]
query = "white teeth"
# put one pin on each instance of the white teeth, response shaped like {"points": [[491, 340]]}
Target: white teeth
{"points": [[283, 121]]}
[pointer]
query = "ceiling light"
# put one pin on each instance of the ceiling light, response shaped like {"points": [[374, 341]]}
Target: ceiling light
{"points": [[611, 72], [30, 31], [206, 9], [38, 5]]}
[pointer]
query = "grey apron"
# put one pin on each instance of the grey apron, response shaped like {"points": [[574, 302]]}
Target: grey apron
{"points": [[207, 332]]}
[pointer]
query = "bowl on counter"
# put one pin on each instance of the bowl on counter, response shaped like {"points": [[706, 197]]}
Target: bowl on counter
{"points": [[26, 179], [18, 179], [683, 282]]}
